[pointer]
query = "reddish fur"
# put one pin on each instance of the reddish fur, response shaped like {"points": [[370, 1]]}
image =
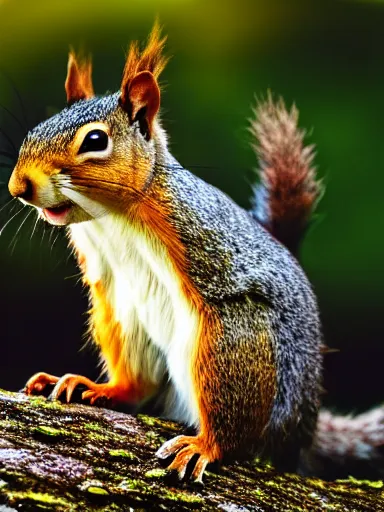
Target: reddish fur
{"points": [[107, 334], [150, 59], [78, 84], [210, 330], [208, 374], [112, 187], [139, 87], [155, 218], [143, 93], [287, 171]]}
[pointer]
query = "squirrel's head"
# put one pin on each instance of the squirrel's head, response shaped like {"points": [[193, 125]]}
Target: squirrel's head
{"points": [[99, 152]]}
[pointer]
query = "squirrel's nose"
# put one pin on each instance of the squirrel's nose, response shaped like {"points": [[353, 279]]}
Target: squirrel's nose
{"points": [[21, 188]]}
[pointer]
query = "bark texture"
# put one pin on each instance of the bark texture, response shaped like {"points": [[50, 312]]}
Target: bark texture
{"points": [[74, 457]]}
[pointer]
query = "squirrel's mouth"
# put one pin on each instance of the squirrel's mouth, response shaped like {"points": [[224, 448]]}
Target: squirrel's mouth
{"points": [[59, 214]]}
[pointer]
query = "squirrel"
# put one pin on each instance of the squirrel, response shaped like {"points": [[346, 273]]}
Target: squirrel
{"points": [[194, 300]]}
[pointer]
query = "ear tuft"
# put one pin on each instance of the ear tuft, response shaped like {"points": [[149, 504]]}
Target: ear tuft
{"points": [[139, 87], [78, 84], [150, 59]]}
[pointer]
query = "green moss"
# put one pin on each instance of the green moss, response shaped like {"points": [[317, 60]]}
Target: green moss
{"points": [[182, 496], [94, 436], [375, 484], [155, 439], [12, 394], [9, 423], [155, 473], [106, 474], [148, 420], [38, 497], [48, 431], [97, 490], [41, 401], [132, 484], [152, 436], [209, 474], [157, 422], [95, 427], [123, 453]]}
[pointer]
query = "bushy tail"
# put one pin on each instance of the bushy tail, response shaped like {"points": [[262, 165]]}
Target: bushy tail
{"points": [[283, 203], [288, 192], [347, 445]]}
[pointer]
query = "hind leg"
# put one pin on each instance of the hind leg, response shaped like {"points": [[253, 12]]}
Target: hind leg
{"points": [[235, 384]]}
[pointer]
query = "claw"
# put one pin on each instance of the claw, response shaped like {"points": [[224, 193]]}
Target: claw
{"points": [[69, 382], [173, 445], [105, 391], [181, 461], [90, 395], [185, 448]]}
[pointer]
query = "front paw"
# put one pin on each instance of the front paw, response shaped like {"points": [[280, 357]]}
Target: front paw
{"points": [[102, 394], [38, 382], [186, 448], [67, 384]]}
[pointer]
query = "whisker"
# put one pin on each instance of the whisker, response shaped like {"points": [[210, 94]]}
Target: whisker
{"points": [[34, 227], [14, 238], [91, 183], [42, 238], [56, 237], [56, 230], [195, 166], [24, 129], [78, 276], [15, 205], [92, 186], [18, 95], [7, 203], [51, 233], [7, 154], [87, 180], [10, 220], [9, 140], [83, 188]]}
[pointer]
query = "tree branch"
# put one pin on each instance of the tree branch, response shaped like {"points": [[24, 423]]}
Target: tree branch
{"points": [[74, 457]]}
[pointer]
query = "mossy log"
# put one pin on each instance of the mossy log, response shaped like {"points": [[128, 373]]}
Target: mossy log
{"points": [[74, 457]]}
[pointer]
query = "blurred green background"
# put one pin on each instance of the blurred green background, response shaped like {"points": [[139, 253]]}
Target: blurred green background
{"points": [[327, 57]]}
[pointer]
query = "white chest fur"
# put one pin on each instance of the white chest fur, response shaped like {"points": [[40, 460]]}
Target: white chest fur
{"points": [[159, 325]]}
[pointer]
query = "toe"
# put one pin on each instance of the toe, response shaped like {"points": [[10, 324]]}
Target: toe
{"points": [[89, 394], [198, 471], [70, 387], [181, 461], [173, 446], [185, 448], [61, 386], [38, 382]]}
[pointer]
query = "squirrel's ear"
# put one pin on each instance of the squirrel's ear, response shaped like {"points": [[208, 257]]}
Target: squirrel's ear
{"points": [[78, 84], [140, 98]]}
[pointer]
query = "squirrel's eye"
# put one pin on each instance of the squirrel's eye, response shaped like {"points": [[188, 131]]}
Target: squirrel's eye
{"points": [[96, 140]]}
